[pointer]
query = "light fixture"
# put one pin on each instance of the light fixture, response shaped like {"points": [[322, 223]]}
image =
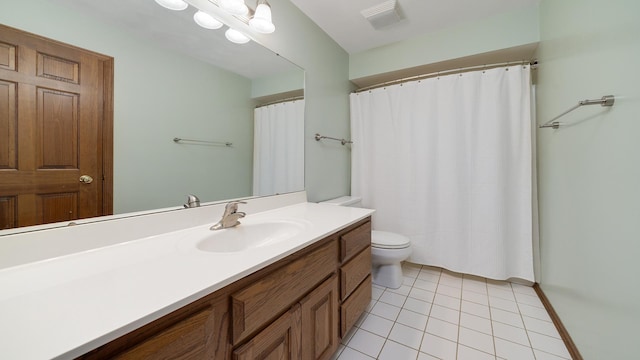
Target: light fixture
{"points": [[261, 20], [234, 7], [206, 21], [173, 4], [236, 36]]}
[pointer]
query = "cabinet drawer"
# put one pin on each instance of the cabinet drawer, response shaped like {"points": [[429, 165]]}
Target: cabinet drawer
{"points": [[257, 304], [187, 339], [355, 241], [351, 309], [353, 272]]}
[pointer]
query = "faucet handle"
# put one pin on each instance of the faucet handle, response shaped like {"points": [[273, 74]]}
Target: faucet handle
{"points": [[232, 206]]}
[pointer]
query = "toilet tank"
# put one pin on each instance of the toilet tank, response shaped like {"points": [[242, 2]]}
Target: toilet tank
{"points": [[352, 201]]}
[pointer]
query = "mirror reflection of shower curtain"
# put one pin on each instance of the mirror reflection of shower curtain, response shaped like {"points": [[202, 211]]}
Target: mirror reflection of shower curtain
{"points": [[448, 162], [278, 151]]}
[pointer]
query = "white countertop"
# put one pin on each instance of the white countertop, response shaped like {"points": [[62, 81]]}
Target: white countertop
{"points": [[63, 307]]}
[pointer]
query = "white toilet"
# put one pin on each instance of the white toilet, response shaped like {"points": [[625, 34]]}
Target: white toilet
{"points": [[388, 250]]}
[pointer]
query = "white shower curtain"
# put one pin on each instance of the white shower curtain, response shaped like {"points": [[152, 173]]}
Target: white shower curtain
{"points": [[278, 151], [448, 162]]}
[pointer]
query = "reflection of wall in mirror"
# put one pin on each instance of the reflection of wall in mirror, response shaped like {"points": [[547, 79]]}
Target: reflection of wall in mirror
{"points": [[159, 95]]}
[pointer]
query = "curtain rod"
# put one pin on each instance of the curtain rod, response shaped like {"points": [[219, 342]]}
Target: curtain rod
{"points": [[282, 101], [533, 64]]}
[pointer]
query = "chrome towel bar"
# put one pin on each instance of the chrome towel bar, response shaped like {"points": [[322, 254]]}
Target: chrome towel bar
{"points": [[342, 141], [225, 143], [606, 100]]}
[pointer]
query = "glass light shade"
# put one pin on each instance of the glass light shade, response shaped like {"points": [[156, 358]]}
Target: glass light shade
{"points": [[173, 4], [236, 36], [206, 21], [234, 7], [261, 20]]}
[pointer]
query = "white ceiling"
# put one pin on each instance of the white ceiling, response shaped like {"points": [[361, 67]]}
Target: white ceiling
{"points": [[342, 21]]}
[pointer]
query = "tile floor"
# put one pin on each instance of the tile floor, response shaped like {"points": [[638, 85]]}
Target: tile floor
{"points": [[437, 314]]}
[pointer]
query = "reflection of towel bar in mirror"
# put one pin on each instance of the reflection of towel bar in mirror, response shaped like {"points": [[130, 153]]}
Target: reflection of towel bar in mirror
{"points": [[606, 100], [221, 143], [342, 141]]}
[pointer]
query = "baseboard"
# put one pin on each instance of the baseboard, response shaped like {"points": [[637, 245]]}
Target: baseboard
{"points": [[564, 334]]}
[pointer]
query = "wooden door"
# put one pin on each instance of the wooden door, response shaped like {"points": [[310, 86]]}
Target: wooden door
{"points": [[320, 326], [55, 116], [279, 341]]}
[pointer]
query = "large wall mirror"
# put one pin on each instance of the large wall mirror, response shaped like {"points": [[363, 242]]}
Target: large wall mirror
{"points": [[174, 79]]}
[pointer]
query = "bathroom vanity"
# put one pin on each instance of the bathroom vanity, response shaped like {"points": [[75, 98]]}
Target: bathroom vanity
{"points": [[298, 307], [294, 296]]}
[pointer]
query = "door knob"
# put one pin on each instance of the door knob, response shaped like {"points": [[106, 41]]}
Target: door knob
{"points": [[86, 179]]}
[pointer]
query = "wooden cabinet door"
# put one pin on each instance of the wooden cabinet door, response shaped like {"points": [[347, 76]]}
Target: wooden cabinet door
{"points": [[52, 116], [319, 312], [279, 341]]}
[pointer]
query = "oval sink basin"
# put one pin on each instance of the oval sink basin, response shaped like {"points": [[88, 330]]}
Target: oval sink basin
{"points": [[249, 235]]}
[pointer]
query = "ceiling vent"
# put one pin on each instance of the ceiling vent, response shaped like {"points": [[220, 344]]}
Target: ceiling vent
{"points": [[382, 15]]}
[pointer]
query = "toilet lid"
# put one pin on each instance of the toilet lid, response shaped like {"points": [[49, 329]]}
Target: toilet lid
{"points": [[388, 240]]}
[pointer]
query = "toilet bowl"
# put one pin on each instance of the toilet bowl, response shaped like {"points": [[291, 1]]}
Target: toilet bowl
{"points": [[388, 250]]}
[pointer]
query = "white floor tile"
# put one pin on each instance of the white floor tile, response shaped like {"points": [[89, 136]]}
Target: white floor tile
{"points": [[377, 325], [438, 347], [476, 323], [425, 285], [541, 355], [499, 284], [428, 275], [412, 319], [540, 326], [423, 356], [447, 301], [509, 350], [475, 309], [446, 314], [534, 312], [549, 344], [467, 353], [501, 293], [510, 333], [507, 317], [392, 298], [476, 340], [503, 304], [529, 300], [350, 354], [419, 306], [376, 293], [475, 286], [394, 351], [449, 290], [442, 329], [523, 289], [439, 314], [451, 282], [408, 280], [406, 335], [402, 290], [386, 311], [366, 342], [420, 294], [475, 297]]}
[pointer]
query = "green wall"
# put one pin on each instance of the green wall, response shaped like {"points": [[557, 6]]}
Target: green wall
{"points": [[498, 32], [158, 95], [589, 172]]}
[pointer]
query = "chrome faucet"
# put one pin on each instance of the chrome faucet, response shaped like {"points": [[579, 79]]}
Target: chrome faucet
{"points": [[230, 216], [192, 201]]}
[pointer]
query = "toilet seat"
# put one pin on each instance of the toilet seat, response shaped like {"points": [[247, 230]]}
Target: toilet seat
{"points": [[388, 240]]}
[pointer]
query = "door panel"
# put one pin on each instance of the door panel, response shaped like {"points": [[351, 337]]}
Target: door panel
{"points": [[52, 116]]}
